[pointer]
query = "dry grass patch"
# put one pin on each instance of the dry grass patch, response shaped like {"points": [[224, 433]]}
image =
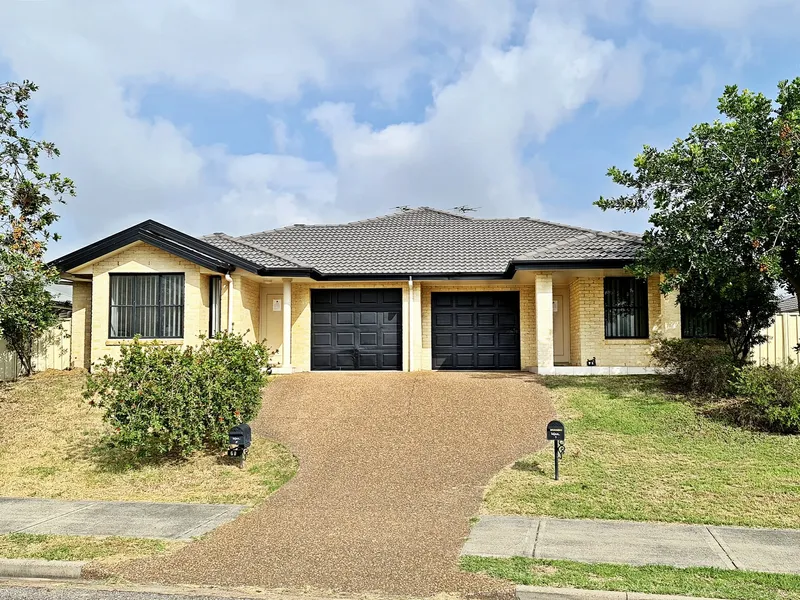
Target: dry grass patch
{"points": [[68, 547], [49, 449], [636, 452]]}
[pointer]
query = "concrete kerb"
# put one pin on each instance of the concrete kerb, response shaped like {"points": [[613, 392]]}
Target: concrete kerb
{"points": [[41, 569], [530, 592]]}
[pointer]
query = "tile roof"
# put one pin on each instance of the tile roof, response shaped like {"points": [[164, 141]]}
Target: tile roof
{"points": [[251, 252], [788, 304], [427, 241]]}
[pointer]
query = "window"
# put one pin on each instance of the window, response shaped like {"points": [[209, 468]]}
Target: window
{"points": [[214, 305], [625, 300], [697, 325], [147, 305]]}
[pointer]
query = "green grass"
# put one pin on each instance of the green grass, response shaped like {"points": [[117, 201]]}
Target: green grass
{"points": [[636, 452], [709, 583], [64, 547]]}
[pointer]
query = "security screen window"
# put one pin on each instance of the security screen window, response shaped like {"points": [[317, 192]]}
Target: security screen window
{"points": [[150, 306], [625, 301], [215, 305]]}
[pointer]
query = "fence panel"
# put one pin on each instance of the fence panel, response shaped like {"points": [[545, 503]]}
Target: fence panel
{"points": [[51, 352], [782, 337]]}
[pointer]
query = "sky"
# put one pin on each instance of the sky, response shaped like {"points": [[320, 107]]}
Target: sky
{"points": [[245, 115]]}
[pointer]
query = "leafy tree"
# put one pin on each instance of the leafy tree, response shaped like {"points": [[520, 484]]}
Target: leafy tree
{"points": [[27, 195], [725, 205]]}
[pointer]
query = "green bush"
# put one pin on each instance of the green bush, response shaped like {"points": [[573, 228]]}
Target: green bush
{"points": [[163, 400], [771, 398], [702, 366]]}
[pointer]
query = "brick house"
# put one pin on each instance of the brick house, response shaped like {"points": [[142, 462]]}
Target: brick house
{"points": [[416, 290]]}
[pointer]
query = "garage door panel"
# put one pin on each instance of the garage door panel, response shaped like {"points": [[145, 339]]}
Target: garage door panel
{"points": [[321, 318], [486, 320], [485, 340], [487, 361], [465, 319], [443, 320], [367, 318], [356, 329], [465, 340], [475, 330]]}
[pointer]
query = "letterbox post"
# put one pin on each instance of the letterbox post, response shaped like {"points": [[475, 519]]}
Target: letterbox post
{"points": [[555, 432]]}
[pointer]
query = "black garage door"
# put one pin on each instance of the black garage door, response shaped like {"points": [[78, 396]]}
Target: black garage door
{"points": [[475, 330], [356, 330]]}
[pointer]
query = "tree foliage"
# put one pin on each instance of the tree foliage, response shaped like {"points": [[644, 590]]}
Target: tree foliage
{"points": [[27, 196], [725, 202]]}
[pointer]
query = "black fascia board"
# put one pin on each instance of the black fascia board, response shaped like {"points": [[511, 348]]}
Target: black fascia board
{"points": [[166, 238], [565, 265]]}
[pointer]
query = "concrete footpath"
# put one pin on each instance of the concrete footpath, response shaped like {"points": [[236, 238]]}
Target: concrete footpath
{"points": [[158, 520], [632, 543]]}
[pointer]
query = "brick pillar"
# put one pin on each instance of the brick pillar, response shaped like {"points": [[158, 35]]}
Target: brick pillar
{"points": [[670, 316], [544, 323], [81, 334]]}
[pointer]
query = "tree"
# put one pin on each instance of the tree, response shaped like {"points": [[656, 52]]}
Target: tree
{"points": [[725, 202], [27, 195]]}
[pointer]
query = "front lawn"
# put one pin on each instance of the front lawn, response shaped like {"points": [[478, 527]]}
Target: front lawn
{"points": [[707, 583], [66, 547], [49, 449], [636, 452]]}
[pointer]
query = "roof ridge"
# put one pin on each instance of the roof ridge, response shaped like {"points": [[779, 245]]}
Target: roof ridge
{"points": [[417, 209], [280, 255]]}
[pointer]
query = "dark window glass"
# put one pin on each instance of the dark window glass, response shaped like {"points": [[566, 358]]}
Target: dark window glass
{"points": [[697, 325], [625, 301], [214, 305], [147, 305]]}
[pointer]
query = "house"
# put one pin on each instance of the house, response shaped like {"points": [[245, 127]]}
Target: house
{"points": [[419, 289], [788, 304]]}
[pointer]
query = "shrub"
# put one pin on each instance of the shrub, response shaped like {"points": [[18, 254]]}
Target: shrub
{"points": [[771, 397], [702, 366], [163, 400]]}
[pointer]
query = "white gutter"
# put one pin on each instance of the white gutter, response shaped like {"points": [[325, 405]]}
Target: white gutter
{"points": [[229, 279], [410, 323]]}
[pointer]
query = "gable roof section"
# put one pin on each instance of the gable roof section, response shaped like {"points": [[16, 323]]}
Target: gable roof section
{"points": [[265, 258], [167, 239]]}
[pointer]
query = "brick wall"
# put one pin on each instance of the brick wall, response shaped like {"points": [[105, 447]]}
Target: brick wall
{"points": [[143, 258], [301, 317], [587, 326], [247, 307], [81, 328]]}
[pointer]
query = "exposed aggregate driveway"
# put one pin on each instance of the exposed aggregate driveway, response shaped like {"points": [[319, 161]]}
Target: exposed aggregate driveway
{"points": [[392, 467]]}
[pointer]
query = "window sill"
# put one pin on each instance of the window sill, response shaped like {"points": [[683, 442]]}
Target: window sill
{"points": [[626, 341], [159, 342]]}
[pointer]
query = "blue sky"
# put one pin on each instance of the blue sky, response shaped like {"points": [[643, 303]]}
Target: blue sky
{"points": [[245, 115]]}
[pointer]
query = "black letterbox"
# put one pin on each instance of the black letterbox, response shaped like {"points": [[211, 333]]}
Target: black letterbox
{"points": [[240, 436]]}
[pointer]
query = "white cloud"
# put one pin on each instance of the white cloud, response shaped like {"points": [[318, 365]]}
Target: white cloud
{"points": [[727, 14], [469, 148]]}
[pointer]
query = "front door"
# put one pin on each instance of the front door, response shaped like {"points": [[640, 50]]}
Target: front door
{"points": [[561, 326]]}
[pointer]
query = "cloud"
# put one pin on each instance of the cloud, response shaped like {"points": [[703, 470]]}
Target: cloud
{"points": [[469, 149], [727, 15]]}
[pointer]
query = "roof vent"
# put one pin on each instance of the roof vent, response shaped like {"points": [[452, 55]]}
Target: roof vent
{"points": [[524, 218], [299, 224]]}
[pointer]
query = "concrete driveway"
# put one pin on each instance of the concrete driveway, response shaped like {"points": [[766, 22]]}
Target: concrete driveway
{"points": [[392, 467]]}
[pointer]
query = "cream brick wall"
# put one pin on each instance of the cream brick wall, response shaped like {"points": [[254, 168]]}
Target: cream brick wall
{"points": [[527, 317], [81, 331], [544, 321], [143, 258], [587, 325], [575, 323], [247, 307], [301, 316]]}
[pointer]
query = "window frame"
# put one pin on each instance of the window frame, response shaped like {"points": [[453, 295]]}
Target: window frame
{"points": [[214, 313], [640, 320], [713, 322], [159, 305]]}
